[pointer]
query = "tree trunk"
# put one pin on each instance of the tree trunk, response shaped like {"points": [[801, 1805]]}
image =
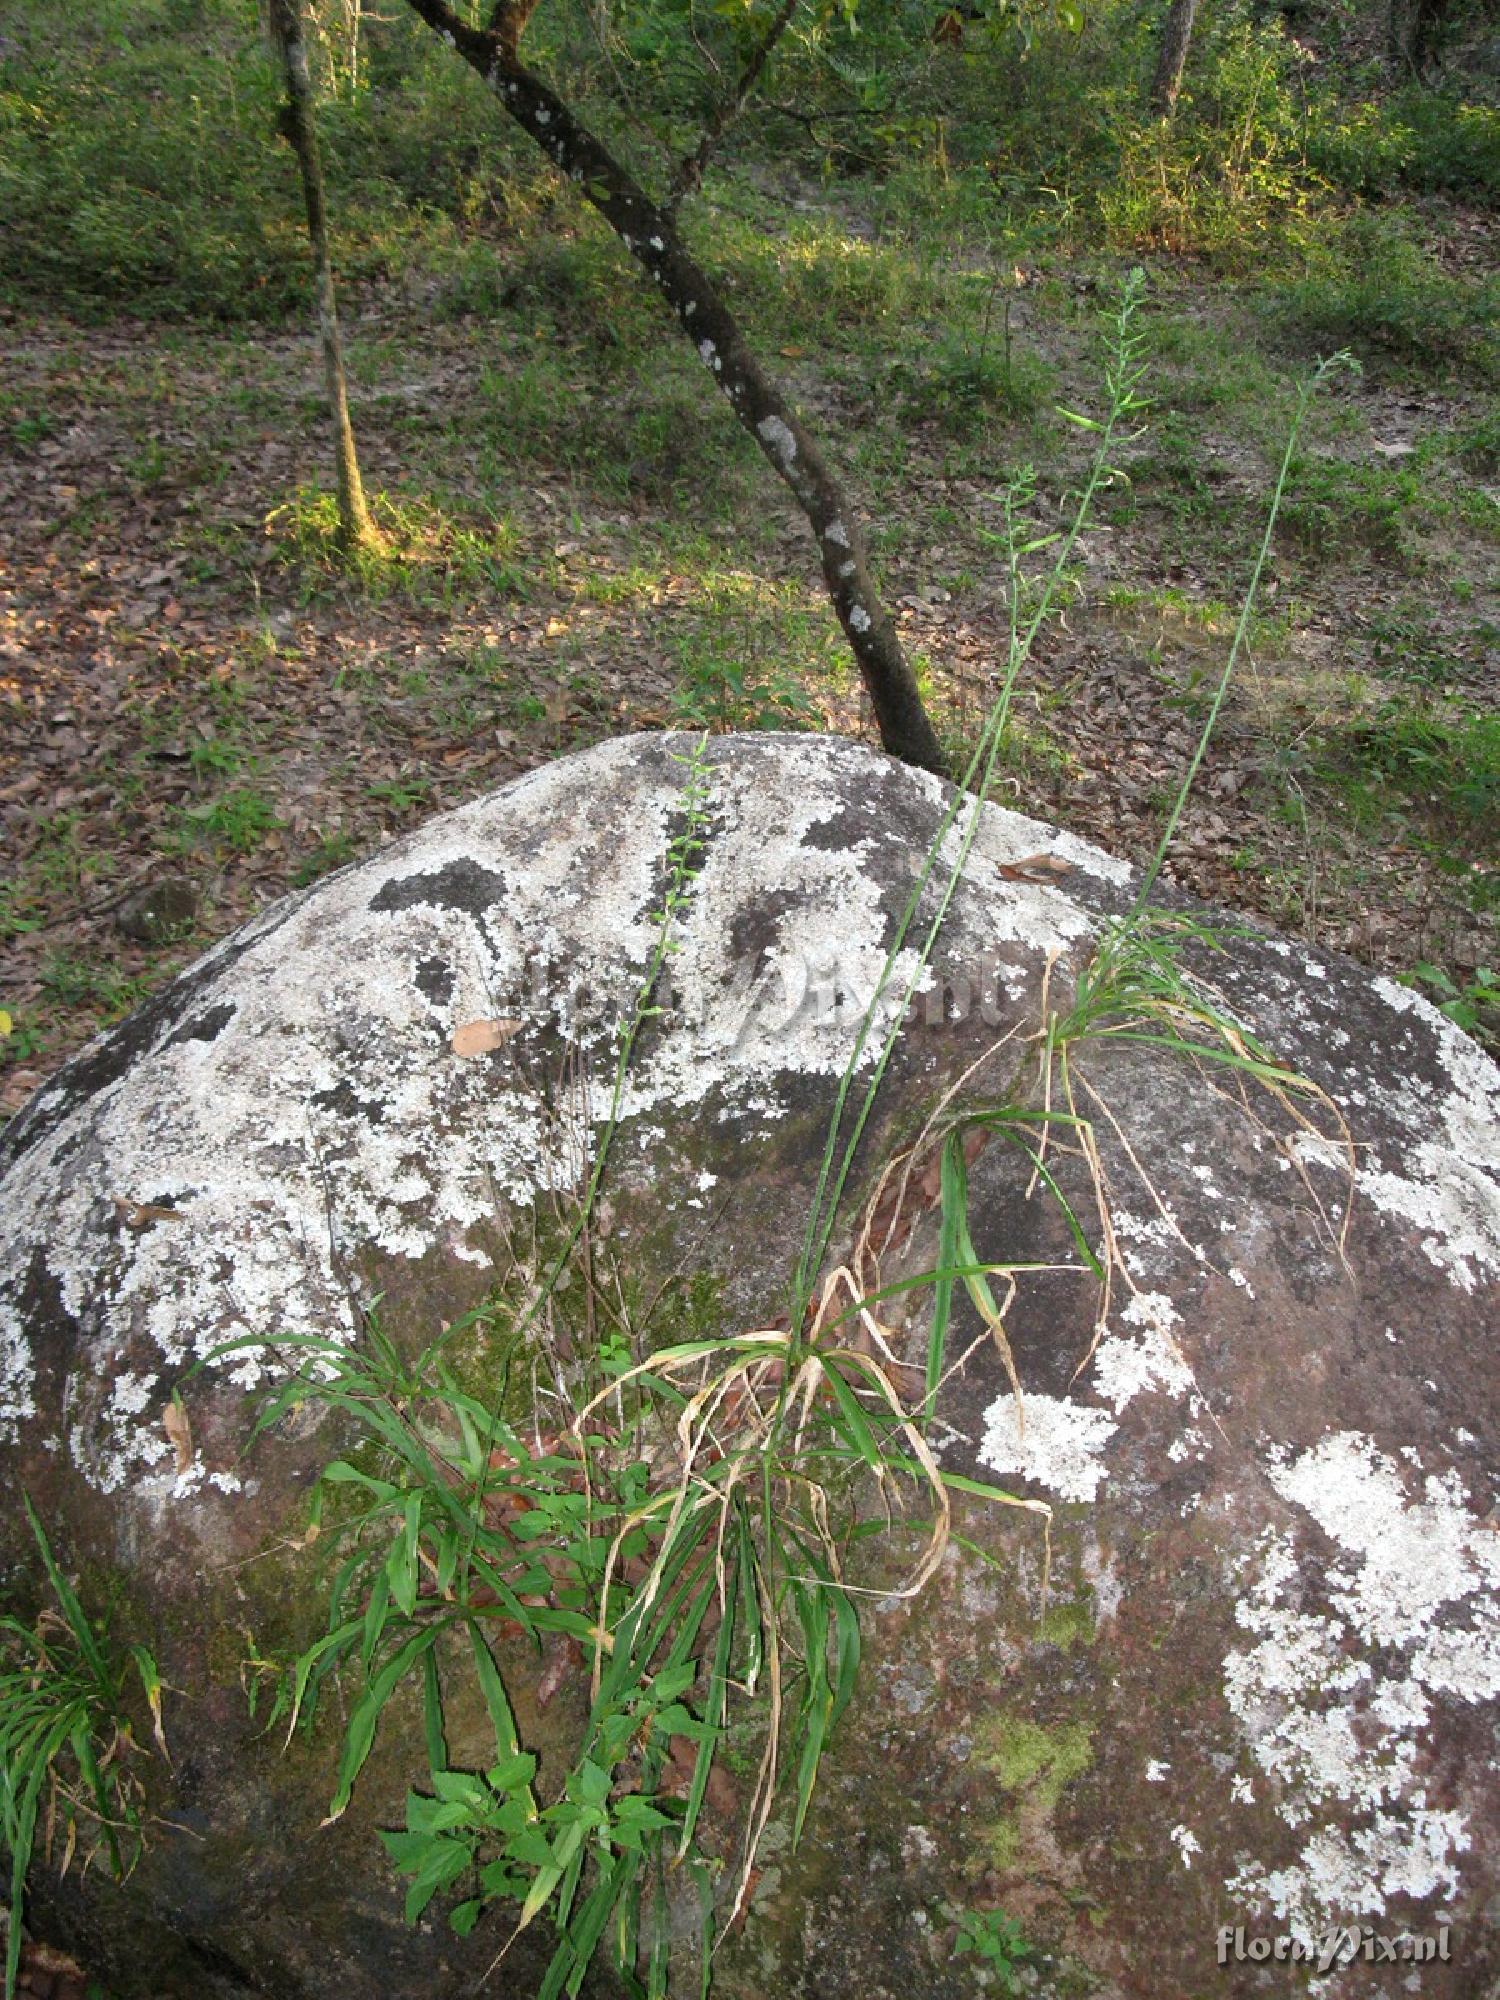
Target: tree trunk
{"points": [[649, 233], [1413, 30], [1172, 59], [356, 529]]}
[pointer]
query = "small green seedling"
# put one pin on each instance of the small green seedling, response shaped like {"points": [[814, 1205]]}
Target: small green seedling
{"points": [[1467, 1006], [998, 1940]]}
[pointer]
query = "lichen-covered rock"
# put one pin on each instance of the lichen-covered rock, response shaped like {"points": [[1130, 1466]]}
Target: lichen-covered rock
{"points": [[1247, 1691]]}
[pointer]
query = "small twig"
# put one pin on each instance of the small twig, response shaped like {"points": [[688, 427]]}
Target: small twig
{"points": [[689, 175]]}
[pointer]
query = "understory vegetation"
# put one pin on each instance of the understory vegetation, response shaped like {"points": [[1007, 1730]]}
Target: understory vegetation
{"points": [[576, 537]]}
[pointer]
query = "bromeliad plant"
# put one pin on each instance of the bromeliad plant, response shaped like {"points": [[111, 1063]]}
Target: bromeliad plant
{"points": [[681, 1546], [67, 1754]]}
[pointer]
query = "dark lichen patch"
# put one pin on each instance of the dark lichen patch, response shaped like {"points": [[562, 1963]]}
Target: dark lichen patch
{"points": [[433, 978], [53, 1334], [344, 1099], [101, 1064], [755, 929], [463, 885], [205, 1027], [853, 820]]}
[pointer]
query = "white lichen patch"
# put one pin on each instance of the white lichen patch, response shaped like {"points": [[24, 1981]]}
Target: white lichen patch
{"points": [[1124, 1368], [776, 434], [1337, 1702], [1058, 1443], [17, 1374], [1439, 1166], [1148, 1244]]}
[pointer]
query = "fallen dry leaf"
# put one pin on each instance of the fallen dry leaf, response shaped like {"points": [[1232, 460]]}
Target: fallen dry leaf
{"points": [[1035, 868], [141, 1214], [174, 1421], [477, 1038]]}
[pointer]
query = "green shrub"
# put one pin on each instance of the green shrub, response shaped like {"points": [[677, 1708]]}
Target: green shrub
{"points": [[140, 163], [1372, 283], [1429, 141], [1229, 170], [124, 175], [1443, 756]]}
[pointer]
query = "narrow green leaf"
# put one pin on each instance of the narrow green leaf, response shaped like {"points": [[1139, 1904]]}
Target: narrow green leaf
{"points": [[503, 1721], [860, 1434], [401, 1564], [377, 1617], [718, 1694], [360, 1734], [432, 1713], [846, 1652], [79, 1625]]}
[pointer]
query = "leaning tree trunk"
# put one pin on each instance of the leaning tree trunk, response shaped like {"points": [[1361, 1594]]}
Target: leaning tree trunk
{"points": [[356, 529], [649, 232], [1172, 59]]}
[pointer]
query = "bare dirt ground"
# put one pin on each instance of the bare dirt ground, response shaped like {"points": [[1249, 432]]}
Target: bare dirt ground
{"points": [[187, 691]]}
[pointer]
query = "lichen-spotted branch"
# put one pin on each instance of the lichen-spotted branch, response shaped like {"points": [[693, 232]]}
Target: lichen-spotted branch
{"points": [[649, 233]]}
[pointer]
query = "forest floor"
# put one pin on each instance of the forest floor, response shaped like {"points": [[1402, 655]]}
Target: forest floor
{"points": [[582, 544]]}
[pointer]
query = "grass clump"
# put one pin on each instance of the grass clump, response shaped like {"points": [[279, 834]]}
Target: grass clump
{"points": [[68, 1758], [976, 372], [427, 554], [1428, 752], [1373, 285]]}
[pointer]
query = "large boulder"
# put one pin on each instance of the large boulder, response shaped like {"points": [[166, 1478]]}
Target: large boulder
{"points": [[1241, 1688]]}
